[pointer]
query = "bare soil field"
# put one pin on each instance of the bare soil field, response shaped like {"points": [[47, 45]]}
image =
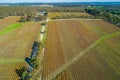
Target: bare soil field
{"points": [[68, 38], [15, 46]]}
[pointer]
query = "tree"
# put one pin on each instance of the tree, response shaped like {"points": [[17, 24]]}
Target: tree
{"points": [[24, 73], [30, 17], [22, 19]]}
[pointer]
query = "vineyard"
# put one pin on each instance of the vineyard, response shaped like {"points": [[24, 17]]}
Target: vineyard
{"points": [[64, 14], [68, 38], [15, 45]]}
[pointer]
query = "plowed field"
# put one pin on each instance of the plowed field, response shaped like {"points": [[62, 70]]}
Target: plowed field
{"points": [[15, 45], [68, 38]]}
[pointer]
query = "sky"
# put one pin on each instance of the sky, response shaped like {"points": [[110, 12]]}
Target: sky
{"points": [[18, 1]]}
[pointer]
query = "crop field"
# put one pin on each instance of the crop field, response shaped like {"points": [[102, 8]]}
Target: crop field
{"points": [[15, 44], [67, 38], [8, 21], [61, 14]]}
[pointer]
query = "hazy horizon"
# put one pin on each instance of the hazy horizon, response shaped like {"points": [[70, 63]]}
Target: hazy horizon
{"points": [[45, 1]]}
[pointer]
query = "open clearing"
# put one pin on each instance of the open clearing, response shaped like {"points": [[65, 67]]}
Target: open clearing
{"points": [[15, 45], [68, 38], [61, 14]]}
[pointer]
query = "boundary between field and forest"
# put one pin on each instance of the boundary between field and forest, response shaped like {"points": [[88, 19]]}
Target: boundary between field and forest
{"points": [[69, 63]]}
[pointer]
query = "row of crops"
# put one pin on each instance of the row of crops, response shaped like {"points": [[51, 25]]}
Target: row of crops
{"points": [[13, 48], [55, 59], [67, 38]]}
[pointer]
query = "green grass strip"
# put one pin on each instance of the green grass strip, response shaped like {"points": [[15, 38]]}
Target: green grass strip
{"points": [[10, 28], [8, 61], [69, 63]]}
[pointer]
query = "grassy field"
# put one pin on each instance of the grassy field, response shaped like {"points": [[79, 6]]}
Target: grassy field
{"points": [[61, 14], [68, 38], [16, 41]]}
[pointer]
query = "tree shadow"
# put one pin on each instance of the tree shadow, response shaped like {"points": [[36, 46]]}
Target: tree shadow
{"points": [[28, 60], [20, 71]]}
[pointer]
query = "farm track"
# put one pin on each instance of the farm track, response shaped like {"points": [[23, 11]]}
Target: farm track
{"points": [[75, 36], [72, 19]]}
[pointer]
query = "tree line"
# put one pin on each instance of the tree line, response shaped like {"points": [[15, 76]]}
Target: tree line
{"points": [[72, 16], [106, 14], [26, 10], [33, 63]]}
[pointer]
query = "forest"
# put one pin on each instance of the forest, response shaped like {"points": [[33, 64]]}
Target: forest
{"points": [[110, 14]]}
